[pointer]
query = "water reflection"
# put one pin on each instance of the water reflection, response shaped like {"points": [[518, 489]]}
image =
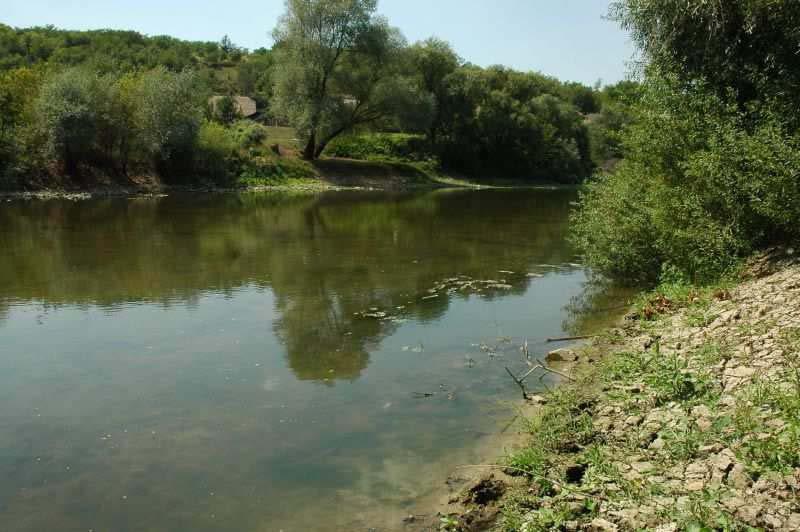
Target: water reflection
{"points": [[326, 258], [214, 363]]}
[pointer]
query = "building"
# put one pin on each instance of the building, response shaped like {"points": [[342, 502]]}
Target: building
{"points": [[245, 106]]}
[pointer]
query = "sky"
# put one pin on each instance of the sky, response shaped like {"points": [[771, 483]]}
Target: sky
{"points": [[568, 39]]}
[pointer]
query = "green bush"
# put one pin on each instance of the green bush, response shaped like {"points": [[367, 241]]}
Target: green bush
{"points": [[703, 184], [380, 147], [73, 110], [249, 134], [216, 156], [169, 111]]}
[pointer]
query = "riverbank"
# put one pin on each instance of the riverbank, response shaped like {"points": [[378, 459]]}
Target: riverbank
{"points": [[324, 175], [686, 417], [290, 174]]}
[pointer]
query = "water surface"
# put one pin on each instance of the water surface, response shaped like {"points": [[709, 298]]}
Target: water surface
{"points": [[264, 362]]}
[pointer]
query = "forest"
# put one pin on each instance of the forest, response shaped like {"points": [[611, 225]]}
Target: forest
{"points": [[82, 107]]}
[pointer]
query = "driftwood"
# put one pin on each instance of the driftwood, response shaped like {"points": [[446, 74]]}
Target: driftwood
{"points": [[533, 367], [568, 338]]}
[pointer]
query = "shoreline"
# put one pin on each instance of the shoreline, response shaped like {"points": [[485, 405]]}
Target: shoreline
{"points": [[303, 187], [684, 417]]}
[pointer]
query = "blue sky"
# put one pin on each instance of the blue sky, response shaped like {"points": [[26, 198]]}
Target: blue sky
{"points": [[568, 39]]}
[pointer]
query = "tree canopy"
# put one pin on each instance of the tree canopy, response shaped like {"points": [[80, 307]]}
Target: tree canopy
{"points": [[712, 154]]}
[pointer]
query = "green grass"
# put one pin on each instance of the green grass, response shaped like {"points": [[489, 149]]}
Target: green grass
{"points": [[285, 136]]}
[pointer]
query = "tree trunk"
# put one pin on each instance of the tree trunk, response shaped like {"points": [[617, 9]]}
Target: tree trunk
{"points": [[321, 147], [309, 152]]}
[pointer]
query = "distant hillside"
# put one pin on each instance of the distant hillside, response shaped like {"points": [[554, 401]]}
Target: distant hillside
{"points": [[227, 67]]}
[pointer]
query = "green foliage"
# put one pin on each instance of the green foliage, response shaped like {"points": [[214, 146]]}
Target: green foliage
{"points": [[380, 147], [267, 170], [105, 50], [216, 156], [498, 121], [249, 134], [169, 115], [224, 110], [700, 187], [711, 163], [746, 49], [74, 110], [149, 121], [606, 126], [336, 68], [18, 90]]}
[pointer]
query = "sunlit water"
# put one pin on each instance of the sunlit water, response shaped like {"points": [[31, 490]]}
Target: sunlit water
{"points": [[265, 362]]}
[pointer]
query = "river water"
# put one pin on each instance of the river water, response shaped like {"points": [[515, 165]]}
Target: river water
{"points": [[267, 362]]}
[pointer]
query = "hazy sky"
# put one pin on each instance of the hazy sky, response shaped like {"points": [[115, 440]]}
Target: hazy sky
{"points": [[568, 39]]}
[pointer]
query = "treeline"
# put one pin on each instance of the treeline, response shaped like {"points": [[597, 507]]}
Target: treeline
{"points": [[340, 68], [222, 65], [77, 127], [711, 168], [76, 105]]}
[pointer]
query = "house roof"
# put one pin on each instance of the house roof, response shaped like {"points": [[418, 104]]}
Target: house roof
{"points": [[245, 105]]}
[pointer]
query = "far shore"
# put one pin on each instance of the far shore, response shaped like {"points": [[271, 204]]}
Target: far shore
{"points": [[335, 175]]}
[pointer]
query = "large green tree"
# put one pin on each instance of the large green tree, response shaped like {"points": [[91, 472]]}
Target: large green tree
{"points": [[336, 69], [433, 61]]}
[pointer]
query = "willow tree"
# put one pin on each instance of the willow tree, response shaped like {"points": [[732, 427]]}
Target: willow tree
{"points": [[336, 69]]}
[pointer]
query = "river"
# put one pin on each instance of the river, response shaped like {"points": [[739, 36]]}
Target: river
{"points": [[267, 362]]}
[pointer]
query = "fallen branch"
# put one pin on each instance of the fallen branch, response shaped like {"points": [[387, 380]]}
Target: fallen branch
{"points": [[540, 365], [568, 338], [520, 383], [544, 367]]}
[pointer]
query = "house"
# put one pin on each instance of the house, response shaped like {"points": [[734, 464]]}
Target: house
{"points": [[245, 106]]}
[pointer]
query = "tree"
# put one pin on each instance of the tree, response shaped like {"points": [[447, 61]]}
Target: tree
{"points": [[72, 108], [168, 113], [747, 46], [434, 60], [712, 155], [335, 67]]}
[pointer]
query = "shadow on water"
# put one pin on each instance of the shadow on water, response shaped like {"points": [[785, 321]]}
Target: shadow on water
{"points": [[216, 362]]}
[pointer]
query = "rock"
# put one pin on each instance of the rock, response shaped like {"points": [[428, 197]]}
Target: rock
{"points": [[696, 475], [771, 522], [704, 423], [537, 399], [740, 372], [485, 491], [628, 518], [733, 503], [642, 467], [723, 461], [792, 523], [748, 514], [657, 444], [562, 355], [601, 525], [633, 421]]}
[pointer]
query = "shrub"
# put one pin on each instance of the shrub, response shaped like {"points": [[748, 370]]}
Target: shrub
{"points": [[380, 146], [249, 134], [169, 112], [703, 184], [216, 156], [72, 109]]}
